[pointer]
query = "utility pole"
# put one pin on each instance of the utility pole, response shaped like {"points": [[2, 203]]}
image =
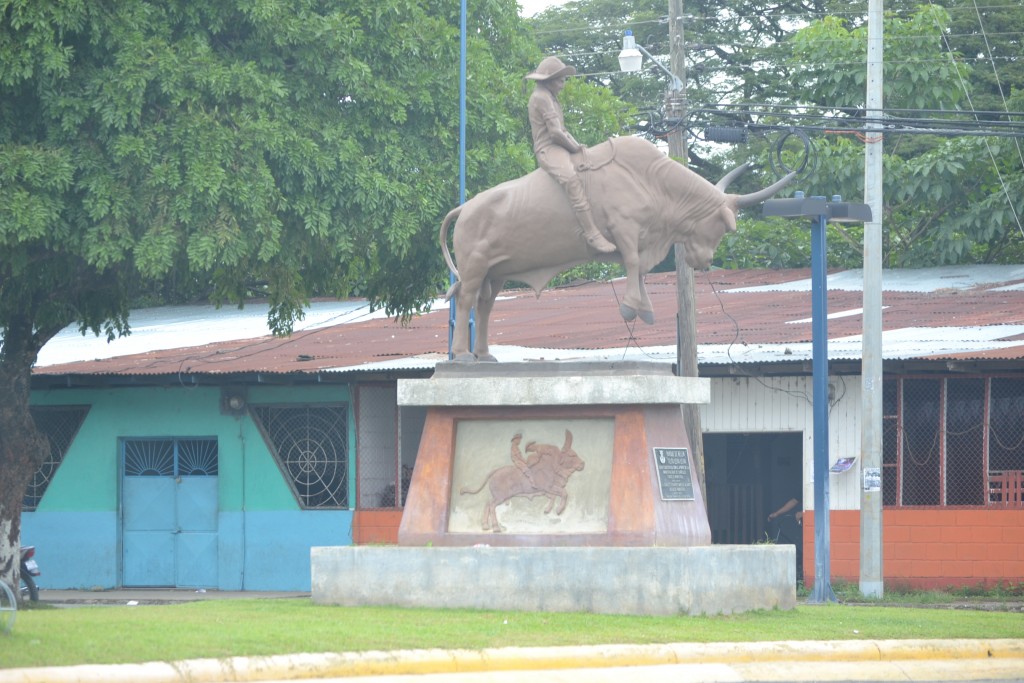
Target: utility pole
{"points": [[871, 352], [686, 315]]}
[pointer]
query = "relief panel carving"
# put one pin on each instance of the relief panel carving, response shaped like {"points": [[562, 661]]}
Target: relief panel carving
{"points": [[531, 476]]}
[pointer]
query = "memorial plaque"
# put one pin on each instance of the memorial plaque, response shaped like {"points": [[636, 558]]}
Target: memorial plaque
{"points": [[674, 480]]}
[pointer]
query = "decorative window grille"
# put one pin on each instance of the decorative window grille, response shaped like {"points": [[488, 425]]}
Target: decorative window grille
{"points": [[60, 425], [953, 441], [310, 445], [170, 457]]}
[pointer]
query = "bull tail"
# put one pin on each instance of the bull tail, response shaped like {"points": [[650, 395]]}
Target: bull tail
{"points": [[443, 236], [465, 489]]}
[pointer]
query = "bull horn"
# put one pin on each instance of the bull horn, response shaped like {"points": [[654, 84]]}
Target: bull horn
{"points": [[745, 200], [568, 440], [731, 176]]}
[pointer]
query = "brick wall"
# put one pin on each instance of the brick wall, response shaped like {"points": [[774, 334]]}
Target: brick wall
{"points": [[928, 548], [376, 526]]}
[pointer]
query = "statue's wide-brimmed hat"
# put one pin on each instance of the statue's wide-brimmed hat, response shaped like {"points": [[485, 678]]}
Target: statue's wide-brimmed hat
{"points": [[550, 67]]}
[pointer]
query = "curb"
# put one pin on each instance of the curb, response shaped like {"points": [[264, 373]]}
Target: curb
{"points": [[375, 663]]}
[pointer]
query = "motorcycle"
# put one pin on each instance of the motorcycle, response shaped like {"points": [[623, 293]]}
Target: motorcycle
{"points": [[29, 570]]}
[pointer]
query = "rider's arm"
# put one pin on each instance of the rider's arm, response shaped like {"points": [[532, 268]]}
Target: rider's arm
{"points": [[551, 116], [558, 132]]}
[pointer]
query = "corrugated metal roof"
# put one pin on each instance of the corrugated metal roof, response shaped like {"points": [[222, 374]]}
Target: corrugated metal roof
{"points": [[747, 316]]}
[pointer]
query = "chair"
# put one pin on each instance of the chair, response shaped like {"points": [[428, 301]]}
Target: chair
{"points": [[1006, 487]]}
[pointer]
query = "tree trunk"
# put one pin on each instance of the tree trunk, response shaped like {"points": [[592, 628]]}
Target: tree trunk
{"points": [[22, 447]]}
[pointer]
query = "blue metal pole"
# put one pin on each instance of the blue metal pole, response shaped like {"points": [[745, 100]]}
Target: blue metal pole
{"points": [[819, 347], [462, 103], [462, 152]]}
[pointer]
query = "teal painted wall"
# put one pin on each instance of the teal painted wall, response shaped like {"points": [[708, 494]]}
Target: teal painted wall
{"points": [[264, 537]]}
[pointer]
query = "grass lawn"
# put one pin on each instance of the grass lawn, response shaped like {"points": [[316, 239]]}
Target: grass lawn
{"points": [[218, 628]]}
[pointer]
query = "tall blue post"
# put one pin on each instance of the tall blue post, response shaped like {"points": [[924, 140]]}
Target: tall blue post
{"points": [[822, 213], [462, 103], [819, 366], [462, 154]]}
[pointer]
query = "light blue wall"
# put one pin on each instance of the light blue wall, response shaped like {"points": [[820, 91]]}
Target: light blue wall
{"points": [[277, 545], [74, 549], [263, 536]]}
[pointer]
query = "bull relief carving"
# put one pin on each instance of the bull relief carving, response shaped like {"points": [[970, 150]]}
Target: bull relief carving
{"points": [[544, 472]]}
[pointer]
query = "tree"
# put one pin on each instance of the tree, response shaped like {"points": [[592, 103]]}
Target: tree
{"points": [[170, 151], [724, 39], [949, 199]]}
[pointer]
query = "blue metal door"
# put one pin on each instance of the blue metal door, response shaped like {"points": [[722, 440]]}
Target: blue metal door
{"points": [[169, 512]]}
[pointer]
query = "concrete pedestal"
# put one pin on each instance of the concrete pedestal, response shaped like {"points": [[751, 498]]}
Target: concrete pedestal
{"points": [[556, 487], [621, 468]]}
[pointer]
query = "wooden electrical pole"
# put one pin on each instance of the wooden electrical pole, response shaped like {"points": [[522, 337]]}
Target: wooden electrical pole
{"points": [[686, 316]]}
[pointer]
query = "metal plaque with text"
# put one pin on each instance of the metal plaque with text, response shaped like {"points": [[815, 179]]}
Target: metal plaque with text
{"points": [[674, 480]]}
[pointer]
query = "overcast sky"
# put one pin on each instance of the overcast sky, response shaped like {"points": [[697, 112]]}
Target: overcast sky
{"points": [[530, 7]]}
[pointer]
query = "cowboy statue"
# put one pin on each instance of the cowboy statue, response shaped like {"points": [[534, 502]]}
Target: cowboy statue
{"points": [[553, 144]]}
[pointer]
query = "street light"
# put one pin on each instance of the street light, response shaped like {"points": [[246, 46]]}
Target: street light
{"points": [[631, 59], [822, 212]]}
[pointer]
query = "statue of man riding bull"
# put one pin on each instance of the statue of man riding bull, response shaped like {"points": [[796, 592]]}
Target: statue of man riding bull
{"points": [[530, 229]]}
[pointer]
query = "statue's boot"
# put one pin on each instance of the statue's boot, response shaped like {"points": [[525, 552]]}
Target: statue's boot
{"points": [[594, 238], [578, 199]]}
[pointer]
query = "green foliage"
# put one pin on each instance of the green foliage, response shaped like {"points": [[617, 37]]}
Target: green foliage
{"points": [[596, 270], [779, 243], [224, 150], [830, 58], [948, 200]]}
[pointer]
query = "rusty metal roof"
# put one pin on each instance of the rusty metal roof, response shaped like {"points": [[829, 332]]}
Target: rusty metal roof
{"points": [[763, 316]]}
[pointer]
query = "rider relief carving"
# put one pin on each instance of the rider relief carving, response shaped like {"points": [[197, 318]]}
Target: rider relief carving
{"points": [[553, 476], [544, 472]]}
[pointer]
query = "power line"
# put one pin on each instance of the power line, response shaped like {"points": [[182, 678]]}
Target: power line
{"points": [[988, 147], [859, 12]]}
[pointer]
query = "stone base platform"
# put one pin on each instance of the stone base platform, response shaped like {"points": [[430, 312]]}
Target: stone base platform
{"points": [[608, 580]]}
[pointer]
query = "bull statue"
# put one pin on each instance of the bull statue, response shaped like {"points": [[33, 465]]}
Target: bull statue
{"points": [[526, 230]]}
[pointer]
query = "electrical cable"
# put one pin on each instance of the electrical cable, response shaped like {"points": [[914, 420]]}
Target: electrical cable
{"points": [[737, 337], [988, 147]]}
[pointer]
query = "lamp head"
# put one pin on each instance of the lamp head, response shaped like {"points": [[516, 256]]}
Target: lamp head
{"points": [[630, 58]]}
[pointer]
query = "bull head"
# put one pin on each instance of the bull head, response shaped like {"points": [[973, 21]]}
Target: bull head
{"points": [[703, 240]]}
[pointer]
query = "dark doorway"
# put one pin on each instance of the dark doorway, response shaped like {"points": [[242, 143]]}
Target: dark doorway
{"points": [[749, 475]]}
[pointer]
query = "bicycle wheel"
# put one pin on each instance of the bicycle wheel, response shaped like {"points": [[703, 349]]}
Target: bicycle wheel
{"points": [[8, 608]]}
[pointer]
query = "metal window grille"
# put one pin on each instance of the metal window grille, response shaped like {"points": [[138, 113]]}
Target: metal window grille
{"points": [[954, 441], [310, 445], [922, 432], [170, 457], [890, 442], [60, 424], [377, 438], [965, 442], [1006, 442]]}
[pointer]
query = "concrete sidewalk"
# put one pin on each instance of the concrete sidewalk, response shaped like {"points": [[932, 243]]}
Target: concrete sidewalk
{"points": [[152, 596]]}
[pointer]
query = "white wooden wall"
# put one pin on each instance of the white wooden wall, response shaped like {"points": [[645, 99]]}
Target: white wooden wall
{"points": [[783, 404]]}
